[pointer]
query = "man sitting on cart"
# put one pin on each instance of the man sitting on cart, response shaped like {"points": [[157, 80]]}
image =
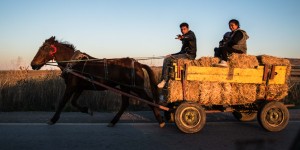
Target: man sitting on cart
{"points": [[188, 51]]}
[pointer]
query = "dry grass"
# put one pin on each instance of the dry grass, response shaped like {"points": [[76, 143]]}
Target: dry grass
{"points": [[41, 90]]}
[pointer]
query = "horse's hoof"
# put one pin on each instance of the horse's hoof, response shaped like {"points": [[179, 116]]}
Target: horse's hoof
{"points": [[163, 124], [110, 125], [50, 123], [90, 112]]}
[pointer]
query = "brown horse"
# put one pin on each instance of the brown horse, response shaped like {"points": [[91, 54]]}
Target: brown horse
{"points": [[125, 73]]}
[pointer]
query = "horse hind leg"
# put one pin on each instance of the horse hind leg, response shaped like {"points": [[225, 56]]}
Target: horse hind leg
{"points": [[74, 102], [124, 105], [155, 110]]}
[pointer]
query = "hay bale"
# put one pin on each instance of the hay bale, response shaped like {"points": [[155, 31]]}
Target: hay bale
{"points": [[226, 93], [243, 93], [271, 60], [182, 62], [243, 61], [192, 90], [206, 61], [174, 92], [215, 93], [261, 91], [204, 93], [273, 92], [201, 62]]}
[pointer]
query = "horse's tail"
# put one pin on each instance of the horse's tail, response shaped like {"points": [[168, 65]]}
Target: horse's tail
{"points": [[152, 81]]}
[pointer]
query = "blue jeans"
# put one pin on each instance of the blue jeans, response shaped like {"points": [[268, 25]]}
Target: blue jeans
{"points": [[168, 61]]}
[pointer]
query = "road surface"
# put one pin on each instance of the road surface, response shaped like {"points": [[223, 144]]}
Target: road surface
{"points": [[136, 130]]}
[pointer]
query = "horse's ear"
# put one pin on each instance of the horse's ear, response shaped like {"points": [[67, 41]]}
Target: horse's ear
{"points": [[51, 39]]}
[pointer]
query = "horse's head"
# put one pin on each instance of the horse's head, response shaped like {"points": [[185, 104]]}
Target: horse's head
{"points": [[51, 50]]}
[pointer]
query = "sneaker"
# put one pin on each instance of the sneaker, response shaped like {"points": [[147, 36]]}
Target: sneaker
{"points": [[222, 64], [162, 101], [161, 84], [161, 97]]}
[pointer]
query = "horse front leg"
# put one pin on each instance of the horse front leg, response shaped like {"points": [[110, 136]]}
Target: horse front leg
{"points": [[74, 102], [67, 95]]}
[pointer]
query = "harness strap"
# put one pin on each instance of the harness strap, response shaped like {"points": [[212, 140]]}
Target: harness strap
{"points": [[132, 73]]}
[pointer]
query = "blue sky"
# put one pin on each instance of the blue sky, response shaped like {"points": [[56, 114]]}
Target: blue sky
{"points": [[135, 28]]}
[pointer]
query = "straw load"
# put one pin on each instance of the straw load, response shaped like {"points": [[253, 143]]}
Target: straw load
{"points": [[219, 93], [273, 91], [201, 62], [271, 60]]}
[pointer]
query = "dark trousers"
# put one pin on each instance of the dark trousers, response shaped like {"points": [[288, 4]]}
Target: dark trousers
{"points": [[217, 52], [225, 51], [168, 61]]}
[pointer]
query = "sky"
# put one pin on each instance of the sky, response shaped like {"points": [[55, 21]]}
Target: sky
{"points": [[135, 28]]}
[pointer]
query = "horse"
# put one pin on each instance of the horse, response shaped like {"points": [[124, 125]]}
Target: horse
{"points": [[124, 73]]}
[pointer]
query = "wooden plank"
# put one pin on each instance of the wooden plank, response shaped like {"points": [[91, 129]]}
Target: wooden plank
{"points": [[195, 73], [280, 76]]}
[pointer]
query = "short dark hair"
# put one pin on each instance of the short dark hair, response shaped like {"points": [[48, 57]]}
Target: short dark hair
{"points": [[235, 22], [184, 24]]}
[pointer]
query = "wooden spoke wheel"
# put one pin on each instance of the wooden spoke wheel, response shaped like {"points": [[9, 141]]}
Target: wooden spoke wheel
{"points": [[190, 117], [273, 116]]}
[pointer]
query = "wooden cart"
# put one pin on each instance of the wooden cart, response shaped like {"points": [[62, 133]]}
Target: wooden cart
{"points": [[190, 116]]}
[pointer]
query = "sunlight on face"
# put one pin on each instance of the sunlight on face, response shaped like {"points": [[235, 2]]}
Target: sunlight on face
{"points": [[233, 26], [184, 30]]}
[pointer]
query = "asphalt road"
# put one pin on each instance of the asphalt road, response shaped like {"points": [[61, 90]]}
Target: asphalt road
{"points": [[137, 130]]}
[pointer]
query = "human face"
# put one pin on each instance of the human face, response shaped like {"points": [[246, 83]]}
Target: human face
{"points": [[233, 26], [184, 30]]}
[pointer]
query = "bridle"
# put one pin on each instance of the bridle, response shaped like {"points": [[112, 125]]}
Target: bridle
{"points": [[51, 53]]}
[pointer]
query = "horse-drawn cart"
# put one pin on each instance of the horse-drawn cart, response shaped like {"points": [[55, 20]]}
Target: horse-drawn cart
{"points": [[251, 86], [189, 112]]}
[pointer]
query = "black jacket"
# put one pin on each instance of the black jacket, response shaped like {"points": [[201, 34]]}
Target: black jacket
{"points": [[189, 44]]}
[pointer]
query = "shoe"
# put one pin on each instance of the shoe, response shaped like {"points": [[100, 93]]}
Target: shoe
{"points": [[222, 64], [161, 84], [162, 101], [161, 97]]}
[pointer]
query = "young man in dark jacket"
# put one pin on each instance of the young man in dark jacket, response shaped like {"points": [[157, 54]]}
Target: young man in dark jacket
{"points": [[236, 44], [188, 51]]}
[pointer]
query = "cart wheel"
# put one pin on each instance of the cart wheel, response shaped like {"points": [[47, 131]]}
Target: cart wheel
{"points": [[190, 117], [244, 116], [273, 116]]}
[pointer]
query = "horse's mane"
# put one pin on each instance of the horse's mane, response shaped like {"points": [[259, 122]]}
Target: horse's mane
{"points": [[64, 43], [67, 44]]}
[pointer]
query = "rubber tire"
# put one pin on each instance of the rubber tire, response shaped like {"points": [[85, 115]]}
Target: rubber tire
{"points": [[244, 116], [193, 110], [265, 120]]}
